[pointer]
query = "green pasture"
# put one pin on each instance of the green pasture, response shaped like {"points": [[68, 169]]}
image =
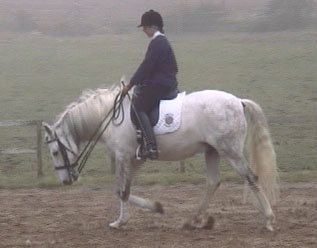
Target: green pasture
{"points": [[40, 75]]}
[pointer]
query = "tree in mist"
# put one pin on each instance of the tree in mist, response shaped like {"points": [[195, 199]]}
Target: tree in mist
{"points": [[285, 15], [208, 16], [73, 23]]}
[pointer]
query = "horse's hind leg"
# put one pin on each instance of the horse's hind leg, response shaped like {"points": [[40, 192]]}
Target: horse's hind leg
{"points": [[155, 207], [240, 164], [201, 219]]}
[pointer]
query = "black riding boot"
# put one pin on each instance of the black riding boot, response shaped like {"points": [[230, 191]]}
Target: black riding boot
{"points": [[150, 149]]}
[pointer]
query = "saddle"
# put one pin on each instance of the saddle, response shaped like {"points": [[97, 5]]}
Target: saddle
{"points": [[164, 117], [155, 111]]}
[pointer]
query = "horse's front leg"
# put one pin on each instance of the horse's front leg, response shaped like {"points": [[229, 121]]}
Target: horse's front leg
{"points": [[123, 217], [123, 177]]}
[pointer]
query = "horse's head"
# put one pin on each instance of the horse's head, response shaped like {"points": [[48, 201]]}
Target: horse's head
{"points": [[63, 152]]}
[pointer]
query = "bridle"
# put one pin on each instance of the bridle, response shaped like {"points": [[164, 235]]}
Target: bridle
{"points": [[73, 174], [84, 155]]}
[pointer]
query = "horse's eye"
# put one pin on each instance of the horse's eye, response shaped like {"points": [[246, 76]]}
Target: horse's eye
{"points": [[55, 153]]}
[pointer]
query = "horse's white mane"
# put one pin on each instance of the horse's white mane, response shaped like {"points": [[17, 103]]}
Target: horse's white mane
{"points": [[88, 111], [88, 98]]}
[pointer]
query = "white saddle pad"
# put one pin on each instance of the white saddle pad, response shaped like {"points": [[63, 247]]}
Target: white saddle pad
{"points": [[170, 115]]}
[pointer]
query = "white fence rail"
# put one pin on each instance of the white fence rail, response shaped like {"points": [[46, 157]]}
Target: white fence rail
{"points": [[38, 150]]}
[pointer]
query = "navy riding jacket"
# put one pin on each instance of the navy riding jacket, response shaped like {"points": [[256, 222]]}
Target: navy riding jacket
{"points": [[159, 65]]}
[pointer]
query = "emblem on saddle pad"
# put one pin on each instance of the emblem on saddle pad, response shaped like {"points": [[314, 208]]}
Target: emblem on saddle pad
{"points": [[170, 115], [169, 118]]}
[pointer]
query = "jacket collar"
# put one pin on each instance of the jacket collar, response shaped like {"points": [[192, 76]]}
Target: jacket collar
{"points": [[157, 33]]}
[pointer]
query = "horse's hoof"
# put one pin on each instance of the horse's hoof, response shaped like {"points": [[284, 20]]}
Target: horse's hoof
{"points": [[114, 225], [269, 222], [269, 228], [210, 223], [188, 226], [117, 224], [158, 208]]}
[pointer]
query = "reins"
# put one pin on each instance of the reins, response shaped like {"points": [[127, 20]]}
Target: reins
{"points": [[115, 111], [81, 160], [114, 114]]}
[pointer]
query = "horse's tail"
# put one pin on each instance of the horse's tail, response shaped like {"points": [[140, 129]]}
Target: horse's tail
{"points": [[260, 150]]}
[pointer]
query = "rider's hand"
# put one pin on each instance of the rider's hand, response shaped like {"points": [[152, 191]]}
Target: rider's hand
{"points": [[125, 90]]}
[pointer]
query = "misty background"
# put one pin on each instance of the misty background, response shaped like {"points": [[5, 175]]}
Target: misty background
{"points": [[265, 50], [87, 17]]}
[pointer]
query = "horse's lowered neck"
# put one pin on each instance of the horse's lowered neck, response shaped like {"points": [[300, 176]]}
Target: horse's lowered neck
{"points": [[82, 123], [67, 138]]}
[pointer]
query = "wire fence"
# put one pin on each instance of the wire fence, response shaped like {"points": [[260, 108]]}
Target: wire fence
{"points": [[37, 151]]}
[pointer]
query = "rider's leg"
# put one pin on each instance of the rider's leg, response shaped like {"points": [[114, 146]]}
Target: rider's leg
{"points": [[144, 99], [149, 135]]}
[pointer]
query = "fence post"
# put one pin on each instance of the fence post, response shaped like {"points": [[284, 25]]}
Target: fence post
{"points": [[113, 166], [39, 148], [182, 166]]}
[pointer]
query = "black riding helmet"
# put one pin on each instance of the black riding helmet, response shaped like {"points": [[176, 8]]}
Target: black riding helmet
{"points": [[152, 18]]}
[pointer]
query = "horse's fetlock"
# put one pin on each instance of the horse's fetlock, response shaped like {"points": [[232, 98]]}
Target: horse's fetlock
{"points": [[218, 184], [158, 208], [124, 194], [252, 177], [197, 219]]}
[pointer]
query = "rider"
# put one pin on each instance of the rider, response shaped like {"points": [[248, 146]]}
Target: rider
{"points": [[154, 79]]}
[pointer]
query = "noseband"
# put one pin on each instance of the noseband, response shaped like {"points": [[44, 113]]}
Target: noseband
{"points": [[73, 175]]}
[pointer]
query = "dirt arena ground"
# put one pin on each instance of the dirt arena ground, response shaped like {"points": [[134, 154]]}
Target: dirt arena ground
{"points": [[79, 217]]}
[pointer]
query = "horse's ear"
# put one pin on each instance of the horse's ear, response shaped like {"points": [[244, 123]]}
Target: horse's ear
{"points": [[47, 128]]}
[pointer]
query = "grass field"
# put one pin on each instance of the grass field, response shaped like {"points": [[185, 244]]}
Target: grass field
{"points": [[40, 75]]}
